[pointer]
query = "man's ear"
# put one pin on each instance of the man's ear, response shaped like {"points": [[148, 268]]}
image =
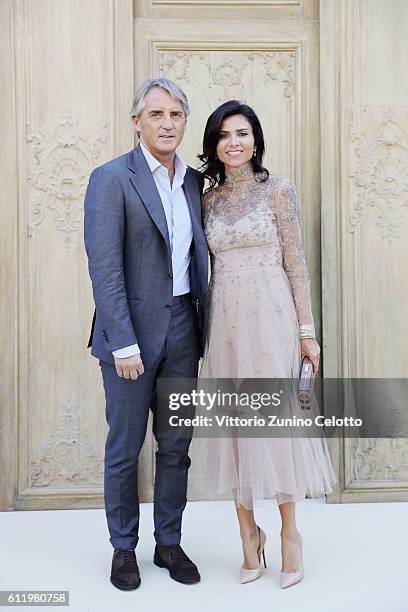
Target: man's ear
{"points": [[137, 125]]}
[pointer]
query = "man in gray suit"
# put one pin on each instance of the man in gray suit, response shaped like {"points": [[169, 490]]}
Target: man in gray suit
{"points": [[148, 263]]}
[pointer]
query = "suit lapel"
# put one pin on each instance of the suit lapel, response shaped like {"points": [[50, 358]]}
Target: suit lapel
{"points": [[143, 181]]}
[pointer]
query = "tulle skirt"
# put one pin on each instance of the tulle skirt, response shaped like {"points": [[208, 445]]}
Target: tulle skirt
{"points": [[253, 332]]}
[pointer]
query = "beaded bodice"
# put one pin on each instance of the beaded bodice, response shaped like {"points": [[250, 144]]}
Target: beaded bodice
{"points": [[253, 223]]}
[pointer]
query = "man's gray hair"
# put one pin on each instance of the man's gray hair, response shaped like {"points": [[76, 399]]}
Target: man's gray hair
{"points": [[173, 89]]}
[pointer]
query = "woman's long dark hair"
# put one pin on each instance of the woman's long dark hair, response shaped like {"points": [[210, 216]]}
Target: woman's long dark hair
{"points": [[212, 168]]}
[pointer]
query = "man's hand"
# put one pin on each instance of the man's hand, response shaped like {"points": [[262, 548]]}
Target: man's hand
{"points": [[130, 367]]}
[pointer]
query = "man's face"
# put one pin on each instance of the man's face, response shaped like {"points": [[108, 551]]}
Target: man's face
{"points": [[161, 123]]}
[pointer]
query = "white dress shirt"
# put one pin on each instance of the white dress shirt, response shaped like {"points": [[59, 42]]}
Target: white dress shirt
{"points": [[178, 225]]}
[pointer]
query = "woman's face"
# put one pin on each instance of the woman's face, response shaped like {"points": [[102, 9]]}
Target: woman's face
{"points": [[236, 143]]}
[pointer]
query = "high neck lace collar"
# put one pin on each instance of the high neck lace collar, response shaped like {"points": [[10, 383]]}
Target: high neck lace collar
{"points": [[244, 173]]}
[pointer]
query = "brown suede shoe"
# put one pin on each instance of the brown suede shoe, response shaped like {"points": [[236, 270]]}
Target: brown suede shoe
{"points": [[180, 567], [125, 572]]}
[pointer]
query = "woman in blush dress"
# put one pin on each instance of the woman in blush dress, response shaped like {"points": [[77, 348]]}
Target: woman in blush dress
{"points": [[260, 326]]}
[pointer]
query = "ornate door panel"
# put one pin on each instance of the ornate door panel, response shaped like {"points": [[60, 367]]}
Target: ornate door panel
{"points": [[364, 120], [70, 84]]}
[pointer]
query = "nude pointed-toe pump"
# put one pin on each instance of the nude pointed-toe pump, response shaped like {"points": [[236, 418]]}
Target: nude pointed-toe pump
{"points": [[248, 575], [288, 579]]}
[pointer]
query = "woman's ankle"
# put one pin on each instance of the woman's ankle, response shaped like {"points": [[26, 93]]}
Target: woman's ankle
{"points": [[290, 533], [249, 533]]}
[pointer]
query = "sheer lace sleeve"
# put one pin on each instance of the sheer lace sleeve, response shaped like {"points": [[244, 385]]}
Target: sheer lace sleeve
{"points": [[294, 262]]}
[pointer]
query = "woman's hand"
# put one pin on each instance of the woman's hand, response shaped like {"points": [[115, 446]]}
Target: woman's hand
{"points": [[310, 347]]}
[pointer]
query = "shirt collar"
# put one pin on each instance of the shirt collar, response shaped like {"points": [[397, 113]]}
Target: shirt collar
{"points": [[180, 165]]}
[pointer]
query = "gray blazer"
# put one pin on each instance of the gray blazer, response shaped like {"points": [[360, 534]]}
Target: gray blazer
{"points": [[127, 243]]}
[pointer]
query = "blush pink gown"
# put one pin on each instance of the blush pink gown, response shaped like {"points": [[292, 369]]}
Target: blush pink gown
{"points": [[259, 301]]}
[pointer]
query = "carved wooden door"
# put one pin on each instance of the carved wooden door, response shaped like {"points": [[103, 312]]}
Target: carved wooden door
{"points": [[364, 152], [68, 66]]}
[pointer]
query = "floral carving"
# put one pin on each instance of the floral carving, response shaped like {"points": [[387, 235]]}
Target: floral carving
{"points": [[176, 64], [380, 459], [68, 456], [381, 176], [61, 166], [228, 76], [229, 73], [279, 66]]}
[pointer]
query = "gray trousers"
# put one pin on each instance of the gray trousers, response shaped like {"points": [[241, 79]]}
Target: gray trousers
{"points": [[127, 410]]}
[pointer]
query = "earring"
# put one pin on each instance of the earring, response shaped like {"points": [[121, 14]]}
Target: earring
{"points": [[254, 153]]}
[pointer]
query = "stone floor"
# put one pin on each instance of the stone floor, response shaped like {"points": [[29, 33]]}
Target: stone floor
{"points": [[354, 556]]}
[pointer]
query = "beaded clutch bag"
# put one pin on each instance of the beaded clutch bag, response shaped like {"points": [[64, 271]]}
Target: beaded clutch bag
{"points": [[305, 383]]}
